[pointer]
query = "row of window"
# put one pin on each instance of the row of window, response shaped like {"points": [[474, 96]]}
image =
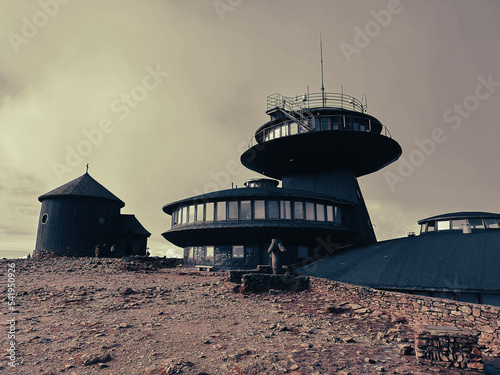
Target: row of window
{"points": [[321, 123], [256, 210], [207, 253], [476, 223]]}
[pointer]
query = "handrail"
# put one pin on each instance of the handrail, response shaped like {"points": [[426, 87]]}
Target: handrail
{"points": [[314, 100], [260, 137]]}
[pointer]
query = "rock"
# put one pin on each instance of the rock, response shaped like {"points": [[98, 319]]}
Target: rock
{"points": [[369, 360], [92, 359]]}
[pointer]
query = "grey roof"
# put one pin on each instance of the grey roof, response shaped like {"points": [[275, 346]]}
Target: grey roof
{"points": [[451, 261], [460, 215], [129, 223], [83, 186]]}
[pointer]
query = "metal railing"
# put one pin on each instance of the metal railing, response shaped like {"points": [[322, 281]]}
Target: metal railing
{"points": [[346, 123], [315, 100]]}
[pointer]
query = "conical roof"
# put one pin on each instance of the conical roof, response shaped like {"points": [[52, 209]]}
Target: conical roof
{"points": [[83, 186]]}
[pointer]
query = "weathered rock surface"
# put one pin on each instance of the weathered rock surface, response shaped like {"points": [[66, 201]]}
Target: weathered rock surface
{"points": [[88, 316]]}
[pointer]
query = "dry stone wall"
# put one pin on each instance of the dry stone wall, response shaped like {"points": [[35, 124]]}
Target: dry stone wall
{"points": [[481, 319]]}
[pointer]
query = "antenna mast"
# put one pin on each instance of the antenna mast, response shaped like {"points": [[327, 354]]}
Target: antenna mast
{"points": [[322, 85]]}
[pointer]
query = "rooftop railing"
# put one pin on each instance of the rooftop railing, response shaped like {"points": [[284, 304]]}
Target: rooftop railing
{"points": [[315, 100], [289, 127]]}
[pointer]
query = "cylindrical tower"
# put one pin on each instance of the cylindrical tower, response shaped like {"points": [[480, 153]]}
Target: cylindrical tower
{"points": [[76, 217]]}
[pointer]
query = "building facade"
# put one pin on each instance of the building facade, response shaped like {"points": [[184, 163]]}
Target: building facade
{"points": [[315, 146], [82, 216]]}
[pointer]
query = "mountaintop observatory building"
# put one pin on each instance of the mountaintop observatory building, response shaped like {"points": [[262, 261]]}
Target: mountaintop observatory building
{"points": [[316, 145]]}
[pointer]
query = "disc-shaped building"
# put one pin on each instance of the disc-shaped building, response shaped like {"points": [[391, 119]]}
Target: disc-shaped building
{"points": [[456, 256], [316, 145], [82, 216]]}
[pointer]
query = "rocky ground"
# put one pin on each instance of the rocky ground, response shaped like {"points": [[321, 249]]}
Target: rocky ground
{"points": [[99, 316]]}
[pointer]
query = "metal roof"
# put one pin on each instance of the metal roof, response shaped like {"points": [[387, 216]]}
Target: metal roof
{"points": [[449, 261], [460, 215], [83, 186]]}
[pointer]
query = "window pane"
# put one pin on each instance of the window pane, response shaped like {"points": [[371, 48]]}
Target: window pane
{"points": [[246, 210], [286, 213], [338, 215], [320, 212], [476, 223], [199, 212], [174, 217], [210, 252], [238, 252], [272, 210], [293, 128], [491, 223], [430, 226], [277, 131], [191, 214], [336, 122], [325, 123], [221, 210], [210, 212], [259, 210], [184, 214], [302, 252], [458, 224], [444, 225], [284, 130], [329, 213], [317, 124], [298, 210], [233, 210], [310, 211]]}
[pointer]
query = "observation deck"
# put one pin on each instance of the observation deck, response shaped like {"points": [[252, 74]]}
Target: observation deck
{"points": [[317, 133]]}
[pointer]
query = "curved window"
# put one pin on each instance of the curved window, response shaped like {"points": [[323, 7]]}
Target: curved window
{"points": [[298, 210], [209, 211], [259, 210], [246, 210], [221, 210], [458, 224], [191, 214], [491, 223], [232, 210], [272, 210], [443, 225], [320, 212], [45, 217], [285, 210], [199, 212], [310, 211]]}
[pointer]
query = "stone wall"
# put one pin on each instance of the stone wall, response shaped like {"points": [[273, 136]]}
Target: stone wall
{"points": [[482, 319]]}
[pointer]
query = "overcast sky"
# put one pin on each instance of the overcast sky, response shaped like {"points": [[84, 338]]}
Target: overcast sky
{"points": [[158, 96]]}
